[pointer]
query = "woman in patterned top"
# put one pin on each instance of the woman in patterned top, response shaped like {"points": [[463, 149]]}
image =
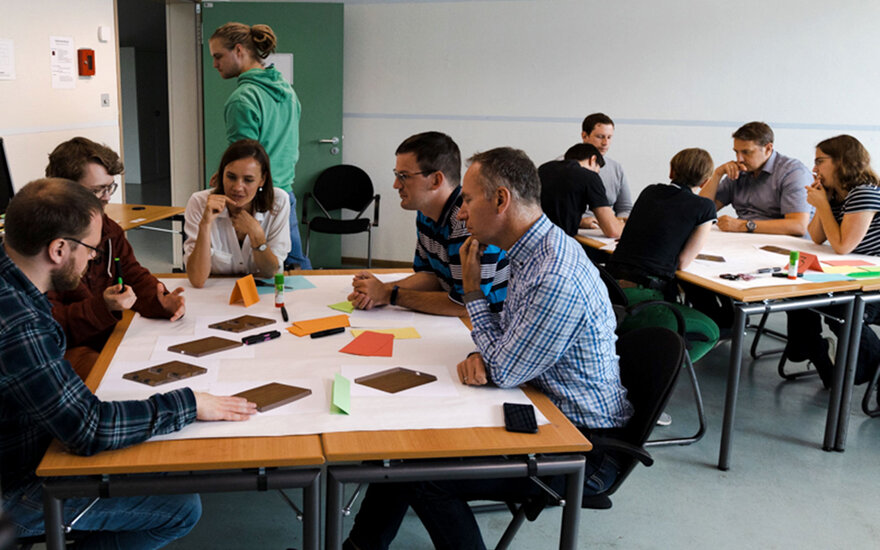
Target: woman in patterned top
{"points": [[846, 195]]}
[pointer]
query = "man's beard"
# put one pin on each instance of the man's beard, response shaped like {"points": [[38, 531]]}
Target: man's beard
{"points": [[65, 277]]}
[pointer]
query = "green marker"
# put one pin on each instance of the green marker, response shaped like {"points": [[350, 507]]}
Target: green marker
{"points": [[118, 273]]}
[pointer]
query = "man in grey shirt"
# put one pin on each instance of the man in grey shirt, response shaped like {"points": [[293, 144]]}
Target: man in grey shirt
{"points": [[598, 129], [767, 189]]}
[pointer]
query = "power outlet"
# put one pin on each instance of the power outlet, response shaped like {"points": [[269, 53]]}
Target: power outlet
{"points": [[105, 100]]}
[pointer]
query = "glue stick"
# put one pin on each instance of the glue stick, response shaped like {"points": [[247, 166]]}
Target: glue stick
{"points": [[279, 290], [793, 257]]}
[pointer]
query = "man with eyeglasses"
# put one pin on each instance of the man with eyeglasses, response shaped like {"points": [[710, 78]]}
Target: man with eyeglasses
{"points": [[89, 312], [42, 398], [768, 192], [427, 176], [766, 189]]}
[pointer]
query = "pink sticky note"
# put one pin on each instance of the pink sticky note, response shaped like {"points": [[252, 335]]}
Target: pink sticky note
{"points": [[853, 263], [371, 344]]}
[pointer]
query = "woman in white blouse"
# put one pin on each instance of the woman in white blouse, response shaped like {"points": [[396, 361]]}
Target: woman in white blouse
{"points": [[241, 226]]}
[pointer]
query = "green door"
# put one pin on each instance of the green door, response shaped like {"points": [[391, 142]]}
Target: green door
{"points": [[313, 34]]}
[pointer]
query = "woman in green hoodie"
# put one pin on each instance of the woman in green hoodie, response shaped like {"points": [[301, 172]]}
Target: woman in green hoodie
{"points": [[263, 107]]}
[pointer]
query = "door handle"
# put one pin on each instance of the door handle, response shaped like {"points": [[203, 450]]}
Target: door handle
{"points": [[332, 141]]}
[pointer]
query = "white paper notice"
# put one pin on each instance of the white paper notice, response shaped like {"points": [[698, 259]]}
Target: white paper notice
{"points": [[63, 62], [7, 59]]}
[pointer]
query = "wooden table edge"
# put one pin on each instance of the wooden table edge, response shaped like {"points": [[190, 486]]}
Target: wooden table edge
{"points": [[59, 462], [516, 443]]}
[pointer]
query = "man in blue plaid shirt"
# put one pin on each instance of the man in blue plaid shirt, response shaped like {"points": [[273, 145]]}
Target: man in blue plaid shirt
{"points": [[53, 228], [556, 333]]}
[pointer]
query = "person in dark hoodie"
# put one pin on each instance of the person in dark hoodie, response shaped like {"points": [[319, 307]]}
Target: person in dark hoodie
{"points": [[263, 107], [89, 312]]}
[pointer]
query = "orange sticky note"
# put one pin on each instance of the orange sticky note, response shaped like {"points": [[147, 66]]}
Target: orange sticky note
{"points": [[245, 291], [303, 328], [371, 344]]}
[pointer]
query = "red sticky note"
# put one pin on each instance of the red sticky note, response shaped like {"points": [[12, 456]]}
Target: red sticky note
{"points": [[371, 344], [808, 261]]}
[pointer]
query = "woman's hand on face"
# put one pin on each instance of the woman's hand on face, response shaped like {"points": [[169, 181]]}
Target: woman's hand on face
{"points": [[214, 206], [816, 194], [245, 223]]}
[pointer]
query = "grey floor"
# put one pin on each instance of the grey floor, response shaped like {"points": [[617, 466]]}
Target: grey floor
{"points": [[782, 490]]}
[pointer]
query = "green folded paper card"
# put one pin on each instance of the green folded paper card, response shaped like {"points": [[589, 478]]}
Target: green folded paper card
{"points": [[341, 399], [344, 307]]}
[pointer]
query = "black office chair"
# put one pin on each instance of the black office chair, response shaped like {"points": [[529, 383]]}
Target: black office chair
{"points": [[697, 343], [873, 412], [343, 186], [650, 360]]}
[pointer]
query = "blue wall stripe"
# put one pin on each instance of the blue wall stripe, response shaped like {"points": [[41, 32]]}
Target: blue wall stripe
{"points": [[618, 121]]}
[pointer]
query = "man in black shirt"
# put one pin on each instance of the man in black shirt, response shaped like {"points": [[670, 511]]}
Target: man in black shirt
{"points": [[570, 186]]}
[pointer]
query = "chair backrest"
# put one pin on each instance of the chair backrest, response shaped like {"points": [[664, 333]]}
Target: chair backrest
{"points": [[650, 360], [343, 186], [615, 293], [6, 189]]}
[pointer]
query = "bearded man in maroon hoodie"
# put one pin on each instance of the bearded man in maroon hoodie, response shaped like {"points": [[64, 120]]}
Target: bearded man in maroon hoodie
{"points": [[89, 313]]}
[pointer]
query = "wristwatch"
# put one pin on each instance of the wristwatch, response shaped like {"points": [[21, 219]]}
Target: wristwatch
{"points": [[751, 226], [262, 247], [393, 299]]}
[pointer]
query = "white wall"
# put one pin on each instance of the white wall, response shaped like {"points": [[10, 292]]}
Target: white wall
{"points": [[671, 74], [34, 117]]}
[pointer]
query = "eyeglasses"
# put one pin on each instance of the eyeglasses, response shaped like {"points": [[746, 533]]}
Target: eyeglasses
{"points": [[820, 160], [104, 190], [402, 176], [96, 252]]}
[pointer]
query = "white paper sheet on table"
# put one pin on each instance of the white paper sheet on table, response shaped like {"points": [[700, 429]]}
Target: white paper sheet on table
{"points": [[445, 342], [743, 254]]}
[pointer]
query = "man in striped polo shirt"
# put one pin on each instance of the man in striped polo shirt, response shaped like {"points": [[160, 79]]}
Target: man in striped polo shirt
{"points": [[427, 176]]}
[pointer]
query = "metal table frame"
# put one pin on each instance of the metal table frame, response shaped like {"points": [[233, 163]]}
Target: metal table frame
{"points": [[570, 465], [855, 338], [833, 439], [56, 489]]}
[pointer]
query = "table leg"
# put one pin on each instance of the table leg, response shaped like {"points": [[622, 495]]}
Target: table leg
{"points": [[733, 372], [571, 514], [312, 517], [333, 518], [54, 521], [849, 375]]}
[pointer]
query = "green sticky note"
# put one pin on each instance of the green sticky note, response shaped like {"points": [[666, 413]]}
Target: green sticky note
{"points": [[345, 307], [865, 274], [341, 401]]}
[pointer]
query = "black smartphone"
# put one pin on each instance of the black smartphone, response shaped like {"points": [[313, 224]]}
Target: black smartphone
{"points": [[520, 418]]}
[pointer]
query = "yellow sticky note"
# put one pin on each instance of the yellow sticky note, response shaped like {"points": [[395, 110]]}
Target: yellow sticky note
{"points": [[345, 307], [399, 333], [839, 269]]}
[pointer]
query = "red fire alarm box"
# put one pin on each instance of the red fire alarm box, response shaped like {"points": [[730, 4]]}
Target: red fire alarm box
{"points": [[86, 63]]}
